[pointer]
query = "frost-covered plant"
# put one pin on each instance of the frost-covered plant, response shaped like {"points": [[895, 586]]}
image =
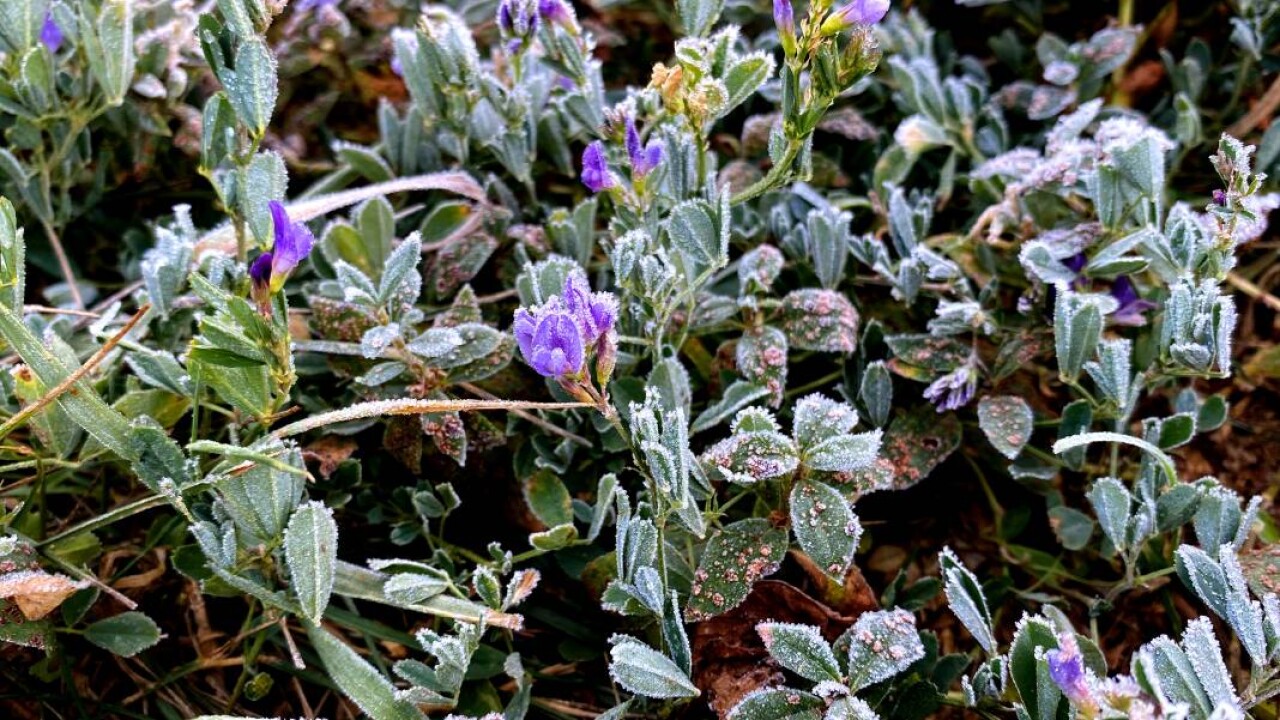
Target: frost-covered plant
{"points": [[717, 299]]}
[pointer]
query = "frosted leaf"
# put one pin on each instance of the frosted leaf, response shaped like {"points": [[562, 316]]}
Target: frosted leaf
{"points": [[777, 703], [1205, 577], [1244, 614], [435, 342], [1172, 674], [825, 526], [850, 708], [818, 417], [882, 644], [645, 671], [800, 649], [762, 359], [820, 320], [1007, 421], [748, 458], [734, 560], [966, 599], [1202, 651], [844, 454], [1112, 503], [376, 340]]}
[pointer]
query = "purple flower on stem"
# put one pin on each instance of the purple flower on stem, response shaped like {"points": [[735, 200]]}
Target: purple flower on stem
{"points": [[1066, 668], [643, 158], [953, 390], [518, 21], [556, 12], [784, 17], [550, 340], [595, 168], [857, 12], [50, 33], [1132, 306], [1220, 198], [293, 242], [594, 311]]}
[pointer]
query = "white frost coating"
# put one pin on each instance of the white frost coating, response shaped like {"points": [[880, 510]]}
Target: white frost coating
{"points": [[1244, 614], [1201, 647], [800, 649]]}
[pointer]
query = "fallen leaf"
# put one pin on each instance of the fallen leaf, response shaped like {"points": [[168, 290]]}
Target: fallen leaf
{"points": [[329, 451], [729, 659], [36, 592]]}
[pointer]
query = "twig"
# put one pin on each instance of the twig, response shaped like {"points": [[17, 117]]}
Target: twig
{"points": [[1249, 288], [60, 311], [414, 406], [548, 426], [1266, 108], [74, 377], [293, 647], [63, 264]]}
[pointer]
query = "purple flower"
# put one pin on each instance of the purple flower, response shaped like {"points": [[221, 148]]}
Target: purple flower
{"points": [[50, 33], [953, 390], [1132, 306], [554, 348], [396, 66], [857, 12], [1220, 198], [518, 21], [308, 5], [785, 18], [1066, 668], [643, 158], [556, 12], [594, 312], [293, 243], [595, 168]]}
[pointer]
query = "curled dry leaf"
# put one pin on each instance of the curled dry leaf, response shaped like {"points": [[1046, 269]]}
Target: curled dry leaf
{"points": [[36, 592]]}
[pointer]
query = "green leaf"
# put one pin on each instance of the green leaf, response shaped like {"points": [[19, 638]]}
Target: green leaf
{"points": [[1077, 417], [645, 671], [1007, 422], [881, 645], [967, 600], [359, 680], [800, 649], [737, 396], [825, 526], [252, 86], [1176, 430], [742, 553], [695, 233], [548, 498], [126, 634], [1112, 503], [311, 552], [780, 703], [1039, 700], [1072, 527]]}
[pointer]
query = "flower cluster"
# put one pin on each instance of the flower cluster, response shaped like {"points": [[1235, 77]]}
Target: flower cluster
{"points": [[644, 158], [293, 242], [557, 336], [955, 389]]}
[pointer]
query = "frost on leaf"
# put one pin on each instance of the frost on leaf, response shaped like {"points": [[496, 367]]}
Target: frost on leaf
{"points": [[762, 359], [800, 649], [825, 525], [1007, 422], [734, 560], [750, 457], [778, 702], [881, 645], [918, 441], [820, 320]]}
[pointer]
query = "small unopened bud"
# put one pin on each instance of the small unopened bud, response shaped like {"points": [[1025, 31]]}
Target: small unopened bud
{"points": [[785, 18], [606, 358]]}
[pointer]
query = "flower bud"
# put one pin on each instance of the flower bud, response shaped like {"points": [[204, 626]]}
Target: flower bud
{"points": [[857, 12], [606, 358], [784, 17]]}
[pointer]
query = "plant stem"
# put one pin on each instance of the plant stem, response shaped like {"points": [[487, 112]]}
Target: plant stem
{"points": [[777, 175]]}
